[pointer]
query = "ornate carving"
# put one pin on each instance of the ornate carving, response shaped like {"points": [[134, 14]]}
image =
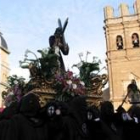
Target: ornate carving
{"points": [[98, 82]]}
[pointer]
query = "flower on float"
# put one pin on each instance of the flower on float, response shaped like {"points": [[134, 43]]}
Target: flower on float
{"points": [[11, 93], [15, 82], [69, 82], [26, 52], [74, 86], [45, 50], [80, 54], [79, 64], [82, 83]]}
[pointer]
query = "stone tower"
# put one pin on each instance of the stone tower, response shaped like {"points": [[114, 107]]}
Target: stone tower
{"points": [[4, 65], [122, 35]]}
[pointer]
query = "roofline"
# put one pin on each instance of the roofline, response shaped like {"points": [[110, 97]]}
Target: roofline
{"points": [[4, 49]]}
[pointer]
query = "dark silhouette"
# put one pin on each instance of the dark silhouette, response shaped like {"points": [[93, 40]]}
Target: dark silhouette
{"points": [[58, 44]]}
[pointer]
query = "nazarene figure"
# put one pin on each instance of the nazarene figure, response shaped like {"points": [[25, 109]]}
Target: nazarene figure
{"points": [[58, 44]]}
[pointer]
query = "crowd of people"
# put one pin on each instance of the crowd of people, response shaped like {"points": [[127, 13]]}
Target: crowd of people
{"points": [[72, 120]]}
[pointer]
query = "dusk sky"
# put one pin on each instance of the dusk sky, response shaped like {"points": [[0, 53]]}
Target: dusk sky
{"points": [[27, 24]]}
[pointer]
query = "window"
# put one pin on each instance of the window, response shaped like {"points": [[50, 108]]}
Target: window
{"points": [[119, 42], [135, 40]]}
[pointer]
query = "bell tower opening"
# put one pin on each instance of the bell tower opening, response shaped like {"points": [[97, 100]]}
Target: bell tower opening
{"points": [[135, 40]]}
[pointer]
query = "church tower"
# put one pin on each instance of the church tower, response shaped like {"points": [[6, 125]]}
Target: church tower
{"points": [[4, 65], [122, 35]]}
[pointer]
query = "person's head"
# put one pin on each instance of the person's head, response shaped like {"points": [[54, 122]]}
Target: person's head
{"points": [[107, 110], [93, 112], [29, 105], [133, 81]]}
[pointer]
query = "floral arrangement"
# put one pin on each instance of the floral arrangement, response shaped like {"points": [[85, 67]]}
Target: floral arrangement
{"points": [[68, 86], [87, 69], [46, 65], [14, 90]]}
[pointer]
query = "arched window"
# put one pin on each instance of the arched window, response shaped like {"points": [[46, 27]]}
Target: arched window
{"points": [[135, 40], [119, 42]]}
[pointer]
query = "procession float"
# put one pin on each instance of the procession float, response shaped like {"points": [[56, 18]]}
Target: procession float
{"points": [[50, 81]]}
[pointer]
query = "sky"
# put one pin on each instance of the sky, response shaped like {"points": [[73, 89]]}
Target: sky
{"points": [[27, 24]]}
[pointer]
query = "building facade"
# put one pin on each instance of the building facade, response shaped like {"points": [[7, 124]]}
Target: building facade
{"points": [[122, 35], [4, 65]]}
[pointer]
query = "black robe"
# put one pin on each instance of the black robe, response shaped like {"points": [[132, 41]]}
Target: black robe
{"points": [[23, 128], [28, 124]]}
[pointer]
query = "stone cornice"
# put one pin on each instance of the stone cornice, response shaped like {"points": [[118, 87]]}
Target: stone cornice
{"points": [[5, 50]]}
